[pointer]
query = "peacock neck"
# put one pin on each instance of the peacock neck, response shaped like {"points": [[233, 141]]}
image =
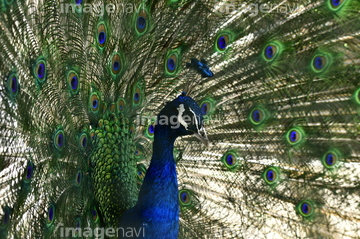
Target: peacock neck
{"points": [[160, 182], [163, 146]]}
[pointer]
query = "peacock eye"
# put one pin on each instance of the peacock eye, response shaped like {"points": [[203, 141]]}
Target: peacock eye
{"points": [[151, 129], [141, 171], [101, 35], [116, 66], [40, 71], [172, 62], [132, 129], [83, 141], [222, 42], [257, 116], [319, 62], [306, 208], [141, 22], [295, 136], [270, 52], [94, 214], [331, 158], [12, 85], [336, 4], [51, 215], [116, 63], [78, 178], [137, 96], [94, 102], [137, 152], [121, 104], [230, 160], [59, 139], [78, 2], [185, 197], [271, 175], [29, 171], [73, 82], [205, 108]]}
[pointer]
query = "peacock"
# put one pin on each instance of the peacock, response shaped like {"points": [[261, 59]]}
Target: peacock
{"points": [[179, 119]]}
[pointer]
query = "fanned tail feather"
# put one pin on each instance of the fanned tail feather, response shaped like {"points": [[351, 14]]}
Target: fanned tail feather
{"points": [[282, 113]]}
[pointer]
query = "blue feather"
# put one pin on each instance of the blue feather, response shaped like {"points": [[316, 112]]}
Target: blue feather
{"points": [[201, 67]]}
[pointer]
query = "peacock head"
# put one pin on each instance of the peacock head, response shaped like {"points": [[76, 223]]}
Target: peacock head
{"points": [[182, 116]]}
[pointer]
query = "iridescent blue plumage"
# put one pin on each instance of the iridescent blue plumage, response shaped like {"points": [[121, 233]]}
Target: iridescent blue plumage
{"points": [[156, 213], [201, 67]]}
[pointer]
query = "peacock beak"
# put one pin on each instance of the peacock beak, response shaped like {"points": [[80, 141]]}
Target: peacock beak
{"points": [[201, 135]]}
